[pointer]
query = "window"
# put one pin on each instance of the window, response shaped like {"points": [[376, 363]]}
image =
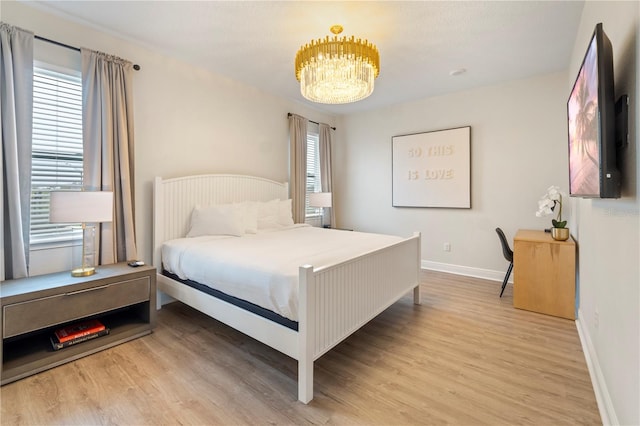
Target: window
{"points": [[57, 149], [313, 173]]}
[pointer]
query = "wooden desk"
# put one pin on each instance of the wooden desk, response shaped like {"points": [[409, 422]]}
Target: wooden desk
{"points": [[544, 274]]}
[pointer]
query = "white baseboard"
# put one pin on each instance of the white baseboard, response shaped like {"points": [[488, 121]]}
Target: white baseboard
{"points": [[487, 274], [605, 405]]}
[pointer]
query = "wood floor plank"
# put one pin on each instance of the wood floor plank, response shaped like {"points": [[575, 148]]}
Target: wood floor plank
{"points": [[465, 356]]}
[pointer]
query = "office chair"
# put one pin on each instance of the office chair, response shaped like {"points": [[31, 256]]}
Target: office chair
{"points": [[508, 254]]}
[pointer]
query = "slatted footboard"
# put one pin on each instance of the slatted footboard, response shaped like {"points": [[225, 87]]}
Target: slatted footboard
{"points": [[337, 300]]}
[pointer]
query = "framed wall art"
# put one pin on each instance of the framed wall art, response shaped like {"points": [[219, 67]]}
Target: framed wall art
{"points": [[432, 169]]}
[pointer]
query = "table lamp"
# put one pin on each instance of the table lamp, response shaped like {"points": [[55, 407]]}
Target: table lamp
{"points": [[84, 207], [322, 200]]}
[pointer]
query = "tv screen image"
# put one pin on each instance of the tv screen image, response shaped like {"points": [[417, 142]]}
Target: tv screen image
{"points": [[591, 123], [584, 156]]}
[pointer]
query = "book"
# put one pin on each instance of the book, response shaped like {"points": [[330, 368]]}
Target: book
{"points": [[79, 329], [57, 345]]}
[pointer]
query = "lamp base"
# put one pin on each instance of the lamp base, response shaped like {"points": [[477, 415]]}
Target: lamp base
{"points": [[83, 271]]}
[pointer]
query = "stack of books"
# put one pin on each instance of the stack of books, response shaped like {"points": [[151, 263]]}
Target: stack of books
{"points": [[77, 333]]}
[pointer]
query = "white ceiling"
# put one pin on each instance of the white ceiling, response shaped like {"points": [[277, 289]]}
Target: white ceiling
{"points": [[419, 42]]}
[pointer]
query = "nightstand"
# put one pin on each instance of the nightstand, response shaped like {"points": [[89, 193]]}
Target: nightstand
{"points": [[123, 298]]}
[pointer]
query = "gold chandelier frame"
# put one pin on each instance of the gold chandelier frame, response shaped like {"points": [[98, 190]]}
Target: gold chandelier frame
{"points": [[337, 69]]}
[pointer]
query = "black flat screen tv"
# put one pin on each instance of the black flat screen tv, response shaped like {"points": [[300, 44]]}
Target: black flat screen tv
{"points": [[591, 115]]}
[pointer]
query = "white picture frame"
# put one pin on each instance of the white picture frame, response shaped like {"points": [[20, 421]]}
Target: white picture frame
{"points": [[432, 169]]}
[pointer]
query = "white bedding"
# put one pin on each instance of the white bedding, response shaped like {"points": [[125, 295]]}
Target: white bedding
{"points": [[262, 268]]}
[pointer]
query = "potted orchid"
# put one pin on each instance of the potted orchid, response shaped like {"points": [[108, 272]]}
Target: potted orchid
{"points": [[551, 203]]}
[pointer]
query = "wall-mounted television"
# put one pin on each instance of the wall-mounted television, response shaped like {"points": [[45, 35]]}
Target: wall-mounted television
{"points": [[591, 114]]}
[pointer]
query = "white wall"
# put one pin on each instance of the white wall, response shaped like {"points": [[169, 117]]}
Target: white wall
{"points": [[608, 235], [518, 149], [187, 120]]}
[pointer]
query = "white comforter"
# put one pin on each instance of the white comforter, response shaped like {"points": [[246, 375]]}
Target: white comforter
{"points": [[262, 268]]}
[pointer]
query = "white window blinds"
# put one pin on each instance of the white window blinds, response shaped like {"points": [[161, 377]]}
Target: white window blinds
{"points": [[313, 172], [57, 149]]}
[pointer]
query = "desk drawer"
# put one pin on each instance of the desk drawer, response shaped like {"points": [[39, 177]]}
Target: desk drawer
{"points": [[36, 314]]}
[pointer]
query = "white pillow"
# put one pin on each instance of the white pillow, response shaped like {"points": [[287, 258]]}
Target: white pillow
{"points": [[249, 212], [268, 213], [274, 214], [222, 219], [285, 213]]}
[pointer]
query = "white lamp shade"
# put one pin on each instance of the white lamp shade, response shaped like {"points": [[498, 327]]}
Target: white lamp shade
{"points": [[81, 206], [320, 199]]}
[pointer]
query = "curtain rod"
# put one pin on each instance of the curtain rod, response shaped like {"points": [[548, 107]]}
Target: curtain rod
{"points": [[77, 49], [310, 121]]}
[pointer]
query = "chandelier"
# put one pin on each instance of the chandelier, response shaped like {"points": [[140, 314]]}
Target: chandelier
{"points": [[337, 70]]}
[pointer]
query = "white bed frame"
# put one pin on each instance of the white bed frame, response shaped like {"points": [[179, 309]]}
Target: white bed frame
{"points": [[335, 300]]}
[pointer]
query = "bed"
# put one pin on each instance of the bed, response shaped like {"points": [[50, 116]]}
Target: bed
{"points": [[334, 298]]}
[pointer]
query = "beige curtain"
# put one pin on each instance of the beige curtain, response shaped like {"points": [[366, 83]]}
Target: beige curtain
{"points": [[324, 142], [16, 121], [298, 165], [107, 115]]}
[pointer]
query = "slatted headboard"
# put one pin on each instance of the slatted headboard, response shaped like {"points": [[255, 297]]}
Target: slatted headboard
{"points": [[174, 199]]}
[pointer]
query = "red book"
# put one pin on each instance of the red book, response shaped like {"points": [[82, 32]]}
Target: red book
{"points": [[80, 329], [57, 345]]}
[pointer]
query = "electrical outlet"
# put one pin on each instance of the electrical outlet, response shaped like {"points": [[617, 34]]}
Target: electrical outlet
{"points": [[447, 247]]}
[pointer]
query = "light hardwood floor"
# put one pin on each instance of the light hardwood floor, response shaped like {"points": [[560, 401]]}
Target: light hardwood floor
{"points": [[463, 357]]}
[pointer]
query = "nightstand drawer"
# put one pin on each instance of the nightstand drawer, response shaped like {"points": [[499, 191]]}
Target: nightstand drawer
{"points": [[35, 314]]}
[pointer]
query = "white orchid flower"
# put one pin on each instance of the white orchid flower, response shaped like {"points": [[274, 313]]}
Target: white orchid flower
{"points": [[548, 203], [554, 193], [545, 203]]}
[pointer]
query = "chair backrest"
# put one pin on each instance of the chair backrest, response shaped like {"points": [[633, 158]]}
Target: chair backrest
{"points": [[506, 250]]}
